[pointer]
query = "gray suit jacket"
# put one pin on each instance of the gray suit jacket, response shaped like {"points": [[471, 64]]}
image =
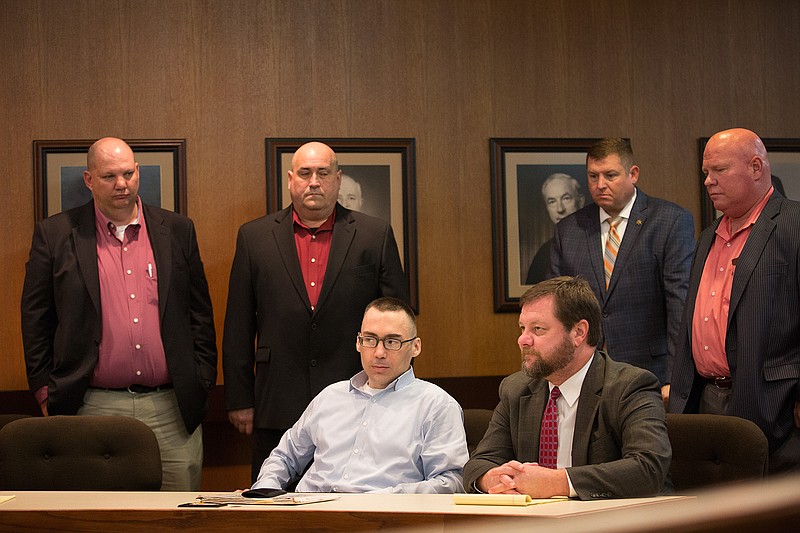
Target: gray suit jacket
{"points": [[61, 321], [277, 352], [643, 305], [763, 340], [620, 447]]}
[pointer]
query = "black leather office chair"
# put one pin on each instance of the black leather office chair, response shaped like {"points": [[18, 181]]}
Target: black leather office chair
{"points": [[713, 449], [476, 421], [79, 453]]}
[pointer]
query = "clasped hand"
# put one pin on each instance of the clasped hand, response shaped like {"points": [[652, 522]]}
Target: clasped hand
{"points": [[514, 477]]}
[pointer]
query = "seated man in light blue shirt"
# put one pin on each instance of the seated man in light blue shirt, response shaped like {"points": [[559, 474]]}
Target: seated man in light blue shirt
{"points": [[382, 431]]}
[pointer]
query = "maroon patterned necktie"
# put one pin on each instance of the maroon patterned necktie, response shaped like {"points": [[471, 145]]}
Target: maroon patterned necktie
{"points": [[548, 436]]}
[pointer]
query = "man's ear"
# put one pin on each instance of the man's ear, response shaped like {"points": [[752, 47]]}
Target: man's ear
{"points": [[579, 332]]}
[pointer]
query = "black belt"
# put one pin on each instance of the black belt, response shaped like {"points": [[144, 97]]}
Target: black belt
{"points": [[139, 389], [720, 383]]}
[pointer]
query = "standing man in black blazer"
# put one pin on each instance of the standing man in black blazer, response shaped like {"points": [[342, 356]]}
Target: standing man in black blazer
{"points": [[116, 315], [739, 345], [300, 281], [642, 299]]}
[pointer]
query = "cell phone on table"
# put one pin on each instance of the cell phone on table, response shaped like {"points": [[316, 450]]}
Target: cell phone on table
{"points": [[263, 493], [201, 503]]}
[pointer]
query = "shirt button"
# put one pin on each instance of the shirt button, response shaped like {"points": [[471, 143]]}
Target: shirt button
{"points": [[705, 319], [347, 476], [313, 237], [313, 260], [722, 270], [355, 451], [129, 272], [313, 284], [713, 293], [705, 348], [728, 245], [364, 424], [133, 296], [138, 346], [124, 248], [138, 372], [312, 307], [135, 320]]}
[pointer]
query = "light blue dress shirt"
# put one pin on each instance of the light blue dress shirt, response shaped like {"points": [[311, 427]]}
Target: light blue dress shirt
{"points": [[407, 438]]}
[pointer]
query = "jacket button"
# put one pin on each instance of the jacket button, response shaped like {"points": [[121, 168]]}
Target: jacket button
{"points": [[313, 362]]}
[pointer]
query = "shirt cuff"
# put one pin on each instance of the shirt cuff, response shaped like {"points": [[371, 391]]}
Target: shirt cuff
{"points": [[572, 493], [41, 395]]}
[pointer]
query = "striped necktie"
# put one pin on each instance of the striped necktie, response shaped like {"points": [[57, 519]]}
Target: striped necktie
{"points": [[548, 435], [612, 247]]}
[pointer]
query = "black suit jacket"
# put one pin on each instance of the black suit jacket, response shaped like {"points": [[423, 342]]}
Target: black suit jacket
{"points": [[61, 321], [763, 339], [620, 447], [643, 305], [271, 328]]}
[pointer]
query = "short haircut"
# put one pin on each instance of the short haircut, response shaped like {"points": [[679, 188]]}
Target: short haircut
{"points": [[574, 301], [389, 303], [611, 146]]}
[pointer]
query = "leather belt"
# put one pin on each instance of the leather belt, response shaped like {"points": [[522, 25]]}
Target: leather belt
{"points": [[720, 383], [139, 389]]}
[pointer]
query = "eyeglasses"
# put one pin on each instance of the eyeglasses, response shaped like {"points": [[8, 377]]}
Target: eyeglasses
{"points": [[390, 343]]}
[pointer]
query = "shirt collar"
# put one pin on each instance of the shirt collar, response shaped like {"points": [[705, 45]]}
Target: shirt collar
{"points": [[403, 380], [626, 211], [724, 228], [326, 226], [107, 227], [571, 388]]}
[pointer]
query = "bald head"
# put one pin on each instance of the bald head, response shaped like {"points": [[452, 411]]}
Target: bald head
{"points": [[316, 150], [112, 174], [737, 171], [107, 147], [314, 182]]}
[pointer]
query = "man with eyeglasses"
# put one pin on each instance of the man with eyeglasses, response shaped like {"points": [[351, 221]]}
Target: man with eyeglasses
{"points": [[384, 430], [299, 283]]}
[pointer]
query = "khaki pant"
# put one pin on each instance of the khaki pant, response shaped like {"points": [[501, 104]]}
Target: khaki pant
{"points": [[181, 453]]}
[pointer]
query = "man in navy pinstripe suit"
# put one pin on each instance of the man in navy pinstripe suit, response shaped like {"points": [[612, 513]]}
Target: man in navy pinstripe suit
{"points": [[642, 300], [739, 346]]}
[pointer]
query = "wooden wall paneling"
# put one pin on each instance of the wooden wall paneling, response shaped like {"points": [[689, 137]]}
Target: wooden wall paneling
{"points": [[665, 100], [779, 80], [19, 115], [457, 322], [224, 75]]}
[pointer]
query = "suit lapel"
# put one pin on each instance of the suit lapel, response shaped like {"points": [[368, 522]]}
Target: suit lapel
{"points": [[84, 235], [283, 234], [751, 253], [588, 402], [161, 244], [590, 222], [343, 235], [532, 408], [636, 220]]}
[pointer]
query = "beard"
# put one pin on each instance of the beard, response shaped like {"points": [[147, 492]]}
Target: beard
{"points": [[542, 367]]}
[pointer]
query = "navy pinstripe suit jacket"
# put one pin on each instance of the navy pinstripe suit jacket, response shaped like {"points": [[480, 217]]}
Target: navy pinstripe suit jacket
{"points": [[643, 305], [763, 340]]}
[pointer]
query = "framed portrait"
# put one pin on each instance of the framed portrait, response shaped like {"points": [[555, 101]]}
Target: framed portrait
{"points": [[784, 160], [59, 166], [378, 178], [535, 183]]}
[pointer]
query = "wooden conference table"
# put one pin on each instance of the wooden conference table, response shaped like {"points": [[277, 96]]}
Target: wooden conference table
{"points": [[159, 511]]}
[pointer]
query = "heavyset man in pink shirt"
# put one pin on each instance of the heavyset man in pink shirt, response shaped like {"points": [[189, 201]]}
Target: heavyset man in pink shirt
{"points": [[739, 345]]}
